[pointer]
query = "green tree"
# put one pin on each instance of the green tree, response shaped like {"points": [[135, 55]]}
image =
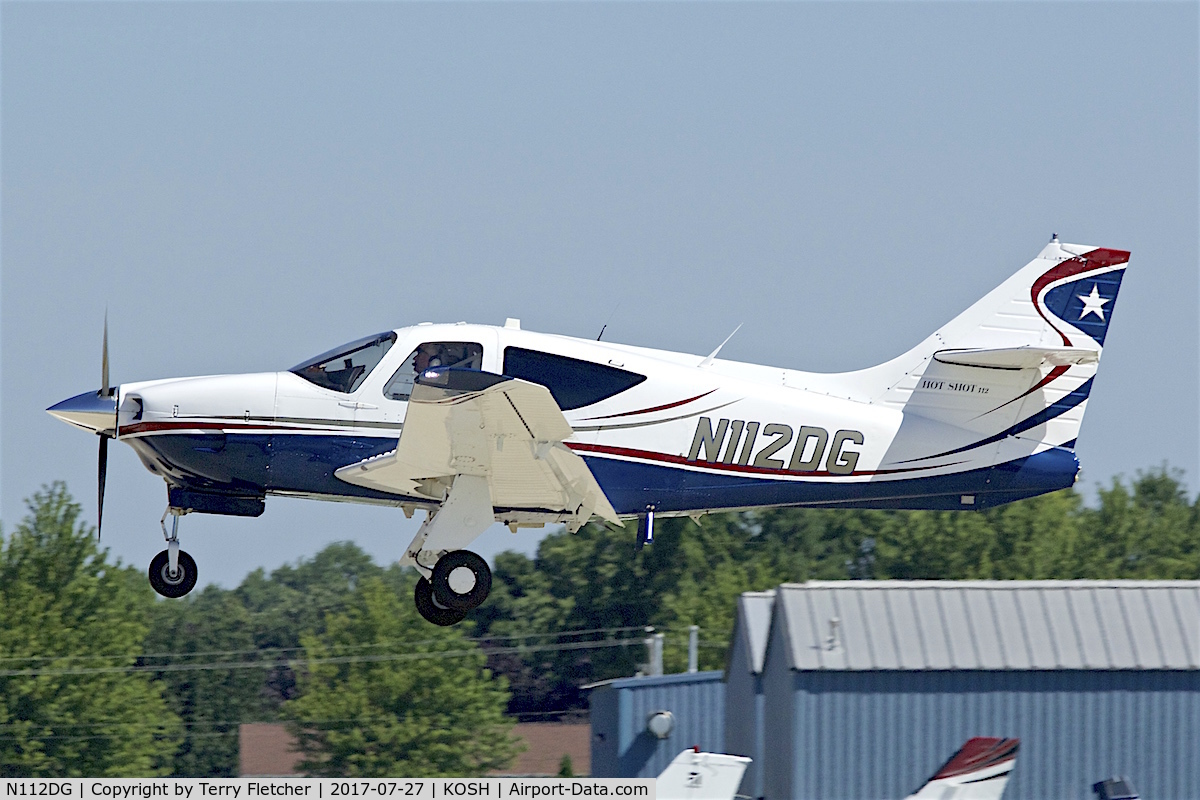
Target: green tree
{"points": [[383, 693], [593, 579], [1147, 530], [294, 600], [71, 625], [207, 627]]}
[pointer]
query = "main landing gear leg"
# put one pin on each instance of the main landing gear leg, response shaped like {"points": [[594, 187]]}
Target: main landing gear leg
{"points": [[454, 580], [172, 572]]}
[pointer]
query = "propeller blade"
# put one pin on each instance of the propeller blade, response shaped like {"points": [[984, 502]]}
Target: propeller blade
{"points": [[104, 360], [100, 478]]}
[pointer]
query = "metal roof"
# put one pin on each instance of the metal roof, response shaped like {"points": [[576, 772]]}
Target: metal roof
{"points": [[753, 624], [644, 681], [990, 625]]}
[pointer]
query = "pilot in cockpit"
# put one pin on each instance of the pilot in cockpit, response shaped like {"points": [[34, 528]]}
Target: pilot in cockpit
{"points": [[428, 356], [464, 355]]}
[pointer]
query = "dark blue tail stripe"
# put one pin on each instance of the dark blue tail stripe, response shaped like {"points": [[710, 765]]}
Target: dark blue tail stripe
{"points": [[1045, 415]]}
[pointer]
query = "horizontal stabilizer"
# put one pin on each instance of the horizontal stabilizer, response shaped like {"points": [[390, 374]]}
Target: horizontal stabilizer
{"points": [[694, 775], [1018, 357]]}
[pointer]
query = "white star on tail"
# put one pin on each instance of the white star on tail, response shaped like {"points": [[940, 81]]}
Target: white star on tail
{"points": [[1092, 304]]}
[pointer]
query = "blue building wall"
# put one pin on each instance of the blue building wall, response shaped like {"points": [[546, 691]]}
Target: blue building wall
{"points": [[779, 742], [744, 706], [621, 746], [850, 735]]}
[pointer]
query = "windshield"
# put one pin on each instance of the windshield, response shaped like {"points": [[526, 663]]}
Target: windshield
{"points": [[344, 368]]}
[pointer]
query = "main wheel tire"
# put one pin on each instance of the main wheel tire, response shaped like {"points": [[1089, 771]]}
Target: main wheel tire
{"points": [[168, 585], [441, 580], [428, 607]]}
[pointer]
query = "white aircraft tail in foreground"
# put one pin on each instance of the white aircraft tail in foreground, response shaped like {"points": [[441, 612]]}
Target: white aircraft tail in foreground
{"points": [[978, 771], [695, 775], [478, 424]]}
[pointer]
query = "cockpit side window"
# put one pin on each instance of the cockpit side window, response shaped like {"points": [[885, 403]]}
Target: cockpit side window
{"points": [[463, 355], [572, 382], [344, 368]]}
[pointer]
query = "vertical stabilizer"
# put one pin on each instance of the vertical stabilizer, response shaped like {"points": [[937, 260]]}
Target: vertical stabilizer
{"points": [[1010, 376], [978, 771]]}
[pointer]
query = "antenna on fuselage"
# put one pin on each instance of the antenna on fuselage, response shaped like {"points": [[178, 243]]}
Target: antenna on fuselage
{"points": [[709, 359], [610, 316]]}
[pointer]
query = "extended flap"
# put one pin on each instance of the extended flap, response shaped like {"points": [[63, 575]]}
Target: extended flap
{"points": [[466, 422]]}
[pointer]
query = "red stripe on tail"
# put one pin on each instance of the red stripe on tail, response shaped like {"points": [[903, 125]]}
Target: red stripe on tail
{"points": [[979, 753]]}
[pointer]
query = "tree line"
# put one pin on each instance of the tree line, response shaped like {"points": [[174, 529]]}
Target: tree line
{"points": [[98, 676]]}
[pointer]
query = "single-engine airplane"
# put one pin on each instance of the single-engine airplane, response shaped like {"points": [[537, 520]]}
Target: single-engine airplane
{"points": [[475, 424]]}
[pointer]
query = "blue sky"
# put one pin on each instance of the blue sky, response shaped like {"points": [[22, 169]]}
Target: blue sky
{"points": [[243, 185]]}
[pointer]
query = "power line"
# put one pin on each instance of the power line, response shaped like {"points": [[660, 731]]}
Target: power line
{"points": [[561, 646], [262, 650], [217, 723], [100, 736]]}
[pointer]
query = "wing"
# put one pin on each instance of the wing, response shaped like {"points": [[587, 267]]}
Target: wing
{"points": [[466, 422]]}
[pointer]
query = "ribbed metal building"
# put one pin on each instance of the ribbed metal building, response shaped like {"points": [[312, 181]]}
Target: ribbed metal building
{"points": [[623, 747], [870, 686], [744, 698]]}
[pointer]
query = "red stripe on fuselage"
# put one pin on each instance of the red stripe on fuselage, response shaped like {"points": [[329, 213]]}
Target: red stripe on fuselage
{"points": [[647, 455], [651, 410], [182, 426]]}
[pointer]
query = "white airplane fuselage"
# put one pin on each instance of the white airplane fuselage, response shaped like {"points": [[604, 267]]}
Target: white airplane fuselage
{"points": [[686, 439]]}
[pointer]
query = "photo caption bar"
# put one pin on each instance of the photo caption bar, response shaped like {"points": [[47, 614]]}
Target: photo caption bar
{"points": [[322, 788]]}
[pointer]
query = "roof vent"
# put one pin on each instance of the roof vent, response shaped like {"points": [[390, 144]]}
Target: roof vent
{"points": [[833, 642], [513, 323]]}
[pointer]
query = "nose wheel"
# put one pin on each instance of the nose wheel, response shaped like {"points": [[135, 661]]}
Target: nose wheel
{"points": [[173, 583], [172, 572]]}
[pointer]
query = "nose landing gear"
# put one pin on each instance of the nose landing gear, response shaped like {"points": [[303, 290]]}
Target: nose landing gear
{"points": [[172, 572]]}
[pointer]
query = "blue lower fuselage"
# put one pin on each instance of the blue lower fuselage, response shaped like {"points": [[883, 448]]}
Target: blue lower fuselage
{"points": [[243, 466]]}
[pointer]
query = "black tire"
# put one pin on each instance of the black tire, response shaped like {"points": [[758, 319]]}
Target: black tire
{"points": [[428, 608], [441, 580], [169, 585]]}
